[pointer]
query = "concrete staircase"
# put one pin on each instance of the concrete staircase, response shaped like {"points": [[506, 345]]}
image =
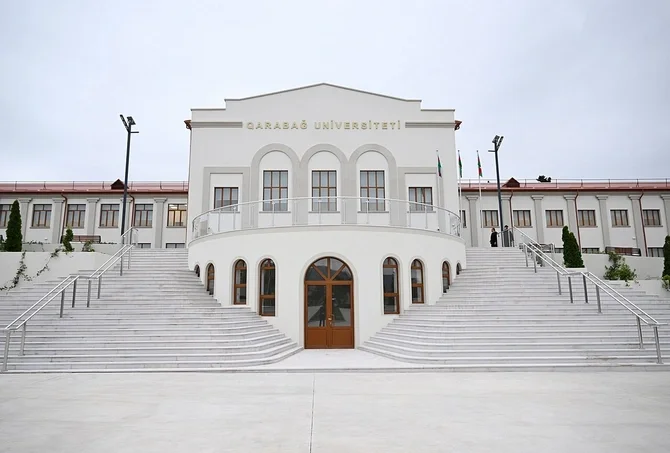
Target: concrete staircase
{"points": [[499, 314], [157, 316]]}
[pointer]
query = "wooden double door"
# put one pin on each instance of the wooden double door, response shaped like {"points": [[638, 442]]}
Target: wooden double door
{"points": [[329, 305]]}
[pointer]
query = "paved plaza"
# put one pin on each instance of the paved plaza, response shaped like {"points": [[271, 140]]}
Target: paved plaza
{"points": [[414, 412]]}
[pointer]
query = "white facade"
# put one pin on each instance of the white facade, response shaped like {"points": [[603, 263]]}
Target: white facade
{"points": [[324, 171], [601, 215]]}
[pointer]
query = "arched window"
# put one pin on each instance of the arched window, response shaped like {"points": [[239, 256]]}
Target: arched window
{"points": [[391, 291], [417, 282], [197, 270], [266, 299], [446, 277], [210, 279], [240, 283]]}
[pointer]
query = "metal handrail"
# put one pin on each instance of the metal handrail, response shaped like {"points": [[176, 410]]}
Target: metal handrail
{"points": [[130, 232], [60, 288], [237, 209], [599, 285]]}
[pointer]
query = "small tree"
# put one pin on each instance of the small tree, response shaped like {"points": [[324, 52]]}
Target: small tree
{"points": [[619, 270], [14, 241], [572, 256], [67, 240], [666, 256]]}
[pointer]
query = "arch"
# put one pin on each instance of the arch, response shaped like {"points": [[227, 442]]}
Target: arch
{"points": [[390, 285], [329, 304], [210, 279], [446, 276], [458, 268], [254, 184], [267, 288], [197, 270], [240, 282], [390, 160], [416, 277]]}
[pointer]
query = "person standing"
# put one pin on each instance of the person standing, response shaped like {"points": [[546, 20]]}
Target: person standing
{"points": [[494, 238], [507, 237]]}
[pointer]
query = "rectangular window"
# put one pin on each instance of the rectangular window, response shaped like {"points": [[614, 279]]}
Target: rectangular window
{"points": [[109, 216], [76, 214], [421, 199], [144, 214], [176, 215], [41, 216], [521, 218], [490, 219], [554, 218], [324, 190], [275, 190], [373, 192], [655, 252], [619, 217], [586, 218], [174, 245], [144, 245], [650, 217], [590, 250], [464, 224], [5, 209], [226, 197]]}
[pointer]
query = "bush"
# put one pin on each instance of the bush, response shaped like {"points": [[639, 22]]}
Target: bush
{"points": [[665, 282], [67, 240], [14, 242], [619, 270], [666, 256], [87, 247], [572, 256]]}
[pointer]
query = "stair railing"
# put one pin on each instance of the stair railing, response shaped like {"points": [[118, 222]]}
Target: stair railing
{"points": [[641, 316], [59, 289]]}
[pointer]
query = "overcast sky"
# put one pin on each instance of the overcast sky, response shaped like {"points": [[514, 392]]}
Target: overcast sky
{"points": [[579, 88]]}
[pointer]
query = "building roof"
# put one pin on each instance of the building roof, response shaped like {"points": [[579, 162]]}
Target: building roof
{"points": [[467, 185]]}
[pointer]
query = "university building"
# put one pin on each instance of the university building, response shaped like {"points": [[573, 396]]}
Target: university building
{"points": [[325, 210]]}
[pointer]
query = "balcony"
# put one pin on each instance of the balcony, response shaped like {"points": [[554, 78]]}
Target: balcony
{"points": [[326, 211]]}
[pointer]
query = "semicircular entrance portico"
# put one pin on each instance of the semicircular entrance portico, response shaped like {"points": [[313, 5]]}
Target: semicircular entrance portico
{"points": [[329, 305]]}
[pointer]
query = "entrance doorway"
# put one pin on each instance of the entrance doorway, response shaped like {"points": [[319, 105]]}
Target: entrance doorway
{"points": [[329, 305]]}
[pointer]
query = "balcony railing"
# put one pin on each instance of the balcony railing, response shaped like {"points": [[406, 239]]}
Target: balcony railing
{"points": [[315, 211]]}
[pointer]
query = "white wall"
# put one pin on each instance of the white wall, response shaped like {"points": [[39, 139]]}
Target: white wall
{"points": [[59, 267], [645, 267], [293, 250]]}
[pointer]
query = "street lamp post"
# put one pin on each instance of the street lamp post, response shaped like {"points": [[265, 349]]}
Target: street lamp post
{"points": [[128, 123], [497, 141]]}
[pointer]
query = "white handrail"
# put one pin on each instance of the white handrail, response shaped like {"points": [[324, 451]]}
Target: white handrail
{"points": [[344, 210]]}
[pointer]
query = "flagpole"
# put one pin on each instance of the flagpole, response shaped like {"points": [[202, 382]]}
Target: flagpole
{"points": [[479, 182], [460, 175]]}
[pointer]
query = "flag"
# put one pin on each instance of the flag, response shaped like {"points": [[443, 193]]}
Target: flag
{"points": [[460, 166], [439, 165], [479, 165]]}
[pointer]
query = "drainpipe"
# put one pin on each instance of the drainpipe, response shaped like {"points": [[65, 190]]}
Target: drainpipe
{"points": [[579, 235], [62, 231], [132, 212]]}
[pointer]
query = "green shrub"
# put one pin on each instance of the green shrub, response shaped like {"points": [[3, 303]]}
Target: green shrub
{"points": [[665, 281], [666, 256], [87, 247], [572, 255], [619, 270], [67, 240], [14, 241]]}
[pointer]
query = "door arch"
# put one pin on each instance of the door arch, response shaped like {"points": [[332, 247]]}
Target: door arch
{"points": [[329, 305], [210, 279], [446, 277]]}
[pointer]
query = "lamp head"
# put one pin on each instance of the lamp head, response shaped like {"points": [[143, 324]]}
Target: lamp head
{"points": [[495, 139], [131, 121]]}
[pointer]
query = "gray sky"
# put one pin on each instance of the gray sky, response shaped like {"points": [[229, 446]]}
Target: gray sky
{"points": [[579, 88]]}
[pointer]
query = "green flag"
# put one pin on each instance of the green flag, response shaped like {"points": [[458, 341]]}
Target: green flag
{"points": [[460, 165]]}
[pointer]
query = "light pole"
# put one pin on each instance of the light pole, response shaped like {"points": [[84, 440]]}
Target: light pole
{"points": [[128, 122], [497, 140]]}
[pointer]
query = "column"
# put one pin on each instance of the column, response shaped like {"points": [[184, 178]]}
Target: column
{"points": [[56, 219], [475, 231], [539, 220], [23, 205], [91, 208], [572, 213], [507, 210], [159, 208], [604, 223], [666, 206], [637, 222]]}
